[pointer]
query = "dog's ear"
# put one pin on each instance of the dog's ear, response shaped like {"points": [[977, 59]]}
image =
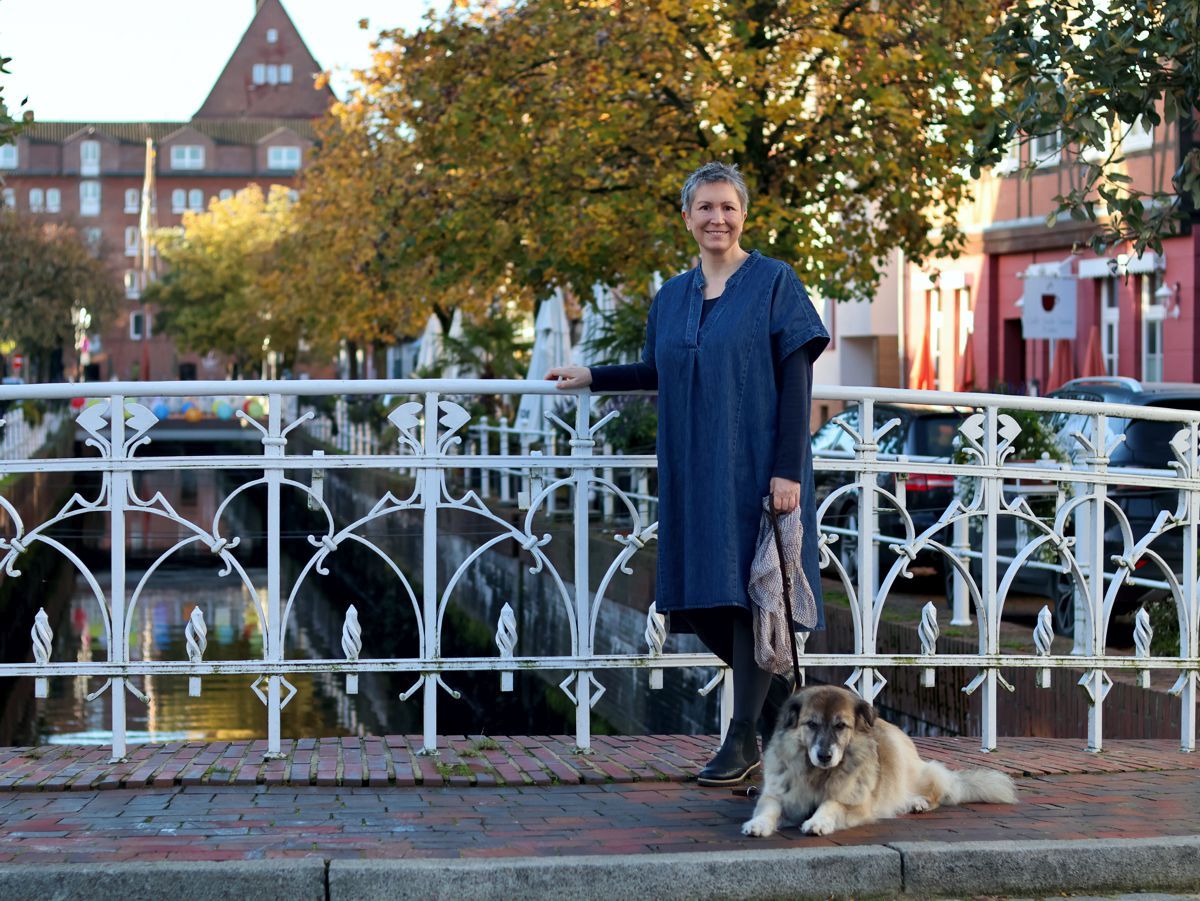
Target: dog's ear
{"points": [[864, 714], [791, 715]]}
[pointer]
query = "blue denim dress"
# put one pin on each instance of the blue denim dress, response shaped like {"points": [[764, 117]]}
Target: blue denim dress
{"points": [[718, 405]]}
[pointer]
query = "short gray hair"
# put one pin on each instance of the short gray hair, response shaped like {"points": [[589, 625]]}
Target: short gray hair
{"points": [[714, 172]]}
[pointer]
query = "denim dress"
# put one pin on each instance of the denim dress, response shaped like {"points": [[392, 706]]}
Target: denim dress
{"points": [[718, 400]]}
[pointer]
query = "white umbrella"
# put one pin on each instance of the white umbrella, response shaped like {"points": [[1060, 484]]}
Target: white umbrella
{"points": [[583, 354], [551, 348], [454, 370], [430, 350]]}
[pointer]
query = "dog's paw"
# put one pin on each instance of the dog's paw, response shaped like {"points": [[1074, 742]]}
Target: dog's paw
{"points": [[819, 824], [918, 804], [760, 826]]}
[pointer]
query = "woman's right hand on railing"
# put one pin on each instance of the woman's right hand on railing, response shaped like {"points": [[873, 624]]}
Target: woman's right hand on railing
{"points": [[570, 376]]}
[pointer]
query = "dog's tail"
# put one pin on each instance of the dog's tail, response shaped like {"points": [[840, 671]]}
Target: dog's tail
{"points": [[966, 786]]}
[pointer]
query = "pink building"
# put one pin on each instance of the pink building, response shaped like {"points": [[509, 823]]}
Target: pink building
{"points": [[984, 320]]}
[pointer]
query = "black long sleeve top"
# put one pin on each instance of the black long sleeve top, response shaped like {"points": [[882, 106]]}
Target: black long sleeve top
{"points": [[793, 375]]}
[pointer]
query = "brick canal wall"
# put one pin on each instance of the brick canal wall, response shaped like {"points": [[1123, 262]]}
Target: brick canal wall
{"points": [[1057, 712]]}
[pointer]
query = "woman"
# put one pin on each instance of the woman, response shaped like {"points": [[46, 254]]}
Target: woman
{"points": [[734, 342]]}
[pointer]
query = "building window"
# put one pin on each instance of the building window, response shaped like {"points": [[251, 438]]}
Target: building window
{"points": [[133, 200], [272, 73], [89, 158], [53, 200], [1011, 161], [37, 200], [1138, 136], [196, 200], [9, 198], [133, 284], [89, 198], [131, 240], [226, 194], [187, 156], [294, 195], [259, 74], [92, 237], [1153, 313], [283, 158], [178, 200], [1110, 323], [272, 36], [139, 326], [1047, 149], [285, 73], [8, 156]]}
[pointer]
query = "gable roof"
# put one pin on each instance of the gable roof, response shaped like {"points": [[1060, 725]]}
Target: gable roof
{"points": [[237, 94]]}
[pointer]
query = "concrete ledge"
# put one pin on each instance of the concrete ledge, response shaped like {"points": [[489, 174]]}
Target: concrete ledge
{"points": [[1170, 862], [284, 879], [788, 873]]}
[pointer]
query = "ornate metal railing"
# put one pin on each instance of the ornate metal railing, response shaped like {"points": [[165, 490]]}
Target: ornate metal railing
{"points": [[966, 537]]}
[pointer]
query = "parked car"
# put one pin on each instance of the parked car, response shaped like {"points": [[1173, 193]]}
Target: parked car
{"points": [[1146, 445], [926, 432]]}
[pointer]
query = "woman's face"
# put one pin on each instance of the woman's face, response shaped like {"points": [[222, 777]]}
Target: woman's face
{"points": [[716, 217]]}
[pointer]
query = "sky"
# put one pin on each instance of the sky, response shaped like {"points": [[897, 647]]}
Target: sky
{"points": [[155, 60]]}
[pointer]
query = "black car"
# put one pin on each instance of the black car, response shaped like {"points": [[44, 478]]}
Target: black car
{"points": [[924, 432], [1146, 445]]}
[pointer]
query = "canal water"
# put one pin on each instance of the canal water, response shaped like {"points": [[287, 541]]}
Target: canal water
{"points": [[229, 709]]}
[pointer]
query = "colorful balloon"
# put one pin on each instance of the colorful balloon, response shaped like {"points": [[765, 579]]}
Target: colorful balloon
{"points": [[224, 410], [192, 413]]}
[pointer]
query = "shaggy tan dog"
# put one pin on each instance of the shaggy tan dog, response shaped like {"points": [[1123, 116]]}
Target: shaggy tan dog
{"points": [[832, 765]]}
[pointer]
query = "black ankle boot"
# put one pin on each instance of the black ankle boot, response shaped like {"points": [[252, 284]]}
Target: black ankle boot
{"points": [[782, 686], [736, 760]]}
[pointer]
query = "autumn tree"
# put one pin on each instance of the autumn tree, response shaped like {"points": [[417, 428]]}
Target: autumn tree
{"points": [[223, 288], [9, 126], [1090, 71], [47, 274], [544, 143]]}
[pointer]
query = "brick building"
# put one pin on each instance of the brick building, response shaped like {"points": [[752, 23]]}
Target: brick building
{"points": [[256, 126]]}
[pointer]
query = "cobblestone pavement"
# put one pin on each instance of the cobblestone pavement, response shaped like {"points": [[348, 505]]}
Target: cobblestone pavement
{"points": [[1134, 789]]}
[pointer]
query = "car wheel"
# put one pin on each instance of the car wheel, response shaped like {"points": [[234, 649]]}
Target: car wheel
{"points": [[1062, 611]]}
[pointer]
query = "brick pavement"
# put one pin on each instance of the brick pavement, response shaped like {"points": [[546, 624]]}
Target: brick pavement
{"points": [[1136, 789]]}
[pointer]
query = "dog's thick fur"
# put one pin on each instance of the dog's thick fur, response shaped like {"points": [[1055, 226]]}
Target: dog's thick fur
{"points": [[832, 765]]}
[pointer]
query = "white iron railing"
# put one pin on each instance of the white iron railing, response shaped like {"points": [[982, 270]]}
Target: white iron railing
{"points": [[428, 429]]}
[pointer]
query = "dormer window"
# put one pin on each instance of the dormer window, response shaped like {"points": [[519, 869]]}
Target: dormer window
{"points": [[187, 156], [283, 158], [89, 158], [8, 156], [272, 36]]}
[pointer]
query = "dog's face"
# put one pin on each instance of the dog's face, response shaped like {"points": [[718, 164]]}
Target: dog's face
{"points": [[820, 722]]}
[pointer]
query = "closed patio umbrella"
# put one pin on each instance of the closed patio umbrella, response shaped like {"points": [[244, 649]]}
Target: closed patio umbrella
{"points": [[922, 377], [1093, 358], [966, 366], [551, 348], [1063, 368]]}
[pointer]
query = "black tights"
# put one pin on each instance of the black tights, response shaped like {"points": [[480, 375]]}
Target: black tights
{"points": [[729, 633]]}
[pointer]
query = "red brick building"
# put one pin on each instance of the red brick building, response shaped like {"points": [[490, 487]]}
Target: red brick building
{"points": [[256, 126]]}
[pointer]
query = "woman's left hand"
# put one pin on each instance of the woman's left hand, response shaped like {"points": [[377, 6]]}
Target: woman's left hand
{"points": [[785, 495]]}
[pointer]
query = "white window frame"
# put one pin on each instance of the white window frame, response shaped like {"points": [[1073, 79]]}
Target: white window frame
{"points": [[131, 240], [178, 200], [275, 162], [133, 200], [8, 199], [1110, 324], [272, 36], [196, 200], [37, 200], [139, 326], [10, 157], [89, 198], [89, 158], [133, 284], [53, 200], [1138, 136], [187, 157], [1045, 156], [285, 73], [1011, 161], [1153, 316], [258, 73], [272, 73]]}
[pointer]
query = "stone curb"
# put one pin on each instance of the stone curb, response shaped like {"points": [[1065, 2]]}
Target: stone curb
{"points": [[787, 873], [1167, 862], [926, 869], [282, 879]]}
